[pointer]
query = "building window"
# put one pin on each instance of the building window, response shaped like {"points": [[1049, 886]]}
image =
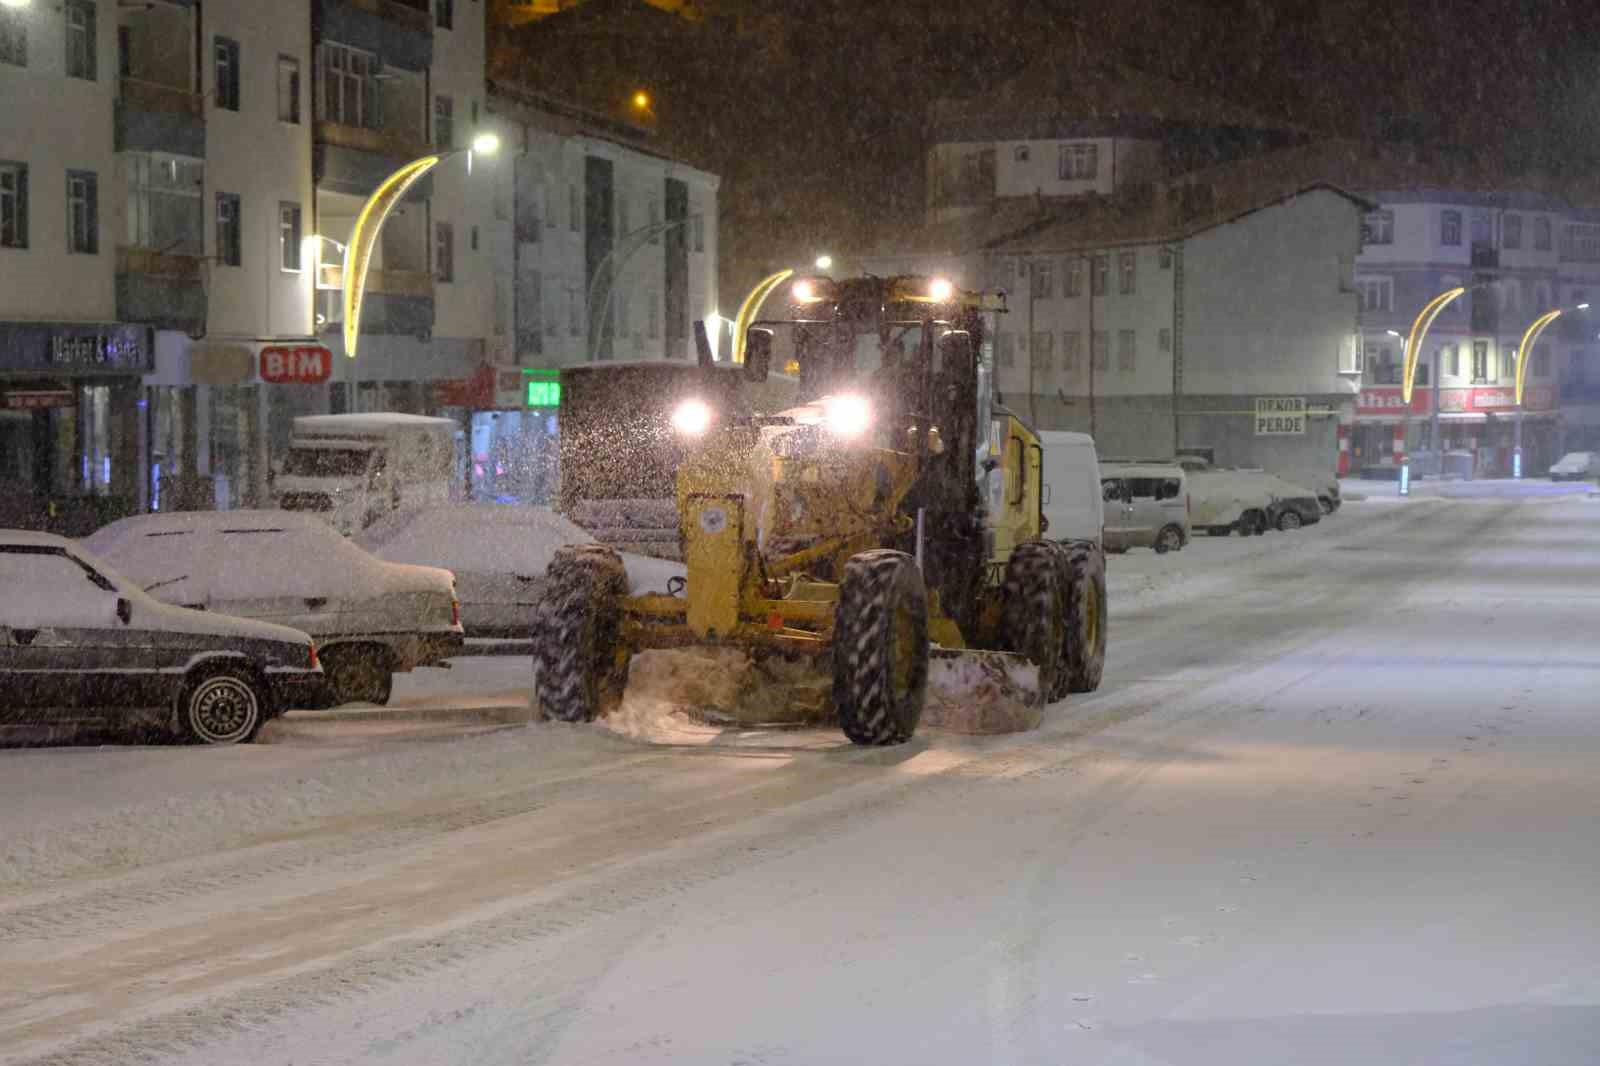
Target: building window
{"points": [[1100, 279], [699, 226], [1079, 162], [1126, 277], [227, 74], [1020, 153], [13, 205], [1480, 228], [1040, 283], [444, 252], [1480, 362], [83, 210], [1377, 294], [1072, 278], [652, 311], [289, 90], [165, 206], [1100, 351], [13, 36], [1541, 234], [349, 86], [1005, 349], [1450, 357], [1165, 259], [229, 251], [1125, 350], [1377, 227], [1581, 243], [444, 14], [1450, 227], [1040, 351], [80, 39], [444, 123], [1071, 351], [289, 237], [1508, 364], [1511, 231], [1164, 339]]}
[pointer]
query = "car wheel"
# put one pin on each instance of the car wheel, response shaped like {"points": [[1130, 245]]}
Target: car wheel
{"points": [[1289, 520], [358, 674], [222, 705], [1170, 539], [1326, 503]]}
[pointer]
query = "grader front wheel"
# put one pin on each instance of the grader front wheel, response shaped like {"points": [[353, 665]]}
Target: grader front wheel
{"points": [[880, 648], [1036, 611], [1084, 654], [575, 633]]}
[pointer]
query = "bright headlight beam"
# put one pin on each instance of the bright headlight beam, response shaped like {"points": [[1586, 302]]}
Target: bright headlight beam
{"points": [[941, 289], [692, 417], [848, 415], [805, 291]]}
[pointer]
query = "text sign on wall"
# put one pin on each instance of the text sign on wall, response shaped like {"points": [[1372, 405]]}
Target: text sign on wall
{"points": [[1280, 416], [309, 364]]}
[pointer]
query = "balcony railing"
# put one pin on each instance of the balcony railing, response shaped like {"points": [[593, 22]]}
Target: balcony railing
{"points": [[394, 282], [405, 144], [412, 14], [139, 95], [161, 264]]}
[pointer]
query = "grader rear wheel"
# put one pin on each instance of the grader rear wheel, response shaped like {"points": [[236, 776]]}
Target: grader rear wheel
{"points": [[575, 634], [1084, 652], [1036, 611], [880, 648]]}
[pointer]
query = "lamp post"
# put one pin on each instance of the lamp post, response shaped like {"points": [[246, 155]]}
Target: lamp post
{"points": [[369, 224], [1524, 353], [633, 241], [1413, 345]]}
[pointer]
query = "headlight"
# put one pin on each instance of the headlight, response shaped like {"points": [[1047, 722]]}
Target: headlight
{"points": [[805, 291], [941, 289], [848, 415], [692, 417]]}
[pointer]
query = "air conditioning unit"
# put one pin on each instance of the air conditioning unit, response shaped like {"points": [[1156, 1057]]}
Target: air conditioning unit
{"points": [[1350, 357]]}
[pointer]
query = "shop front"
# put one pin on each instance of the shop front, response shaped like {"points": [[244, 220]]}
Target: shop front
{"points": [[514, 432], [72, 452], [1478, 422]]}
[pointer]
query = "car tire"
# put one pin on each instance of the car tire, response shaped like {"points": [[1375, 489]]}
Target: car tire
{"points": [[1326, 503], [222, 705], [1289, 520], [359, 673], [1169, 539], [880, 648]]}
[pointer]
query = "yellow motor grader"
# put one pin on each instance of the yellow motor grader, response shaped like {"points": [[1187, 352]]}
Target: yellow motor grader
{"points": [[887, 527]]}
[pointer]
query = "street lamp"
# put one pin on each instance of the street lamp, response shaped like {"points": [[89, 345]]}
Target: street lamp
{"points": [[824, 262], [370, 220], [1413, 345], [1524, 351], [15, 3]]}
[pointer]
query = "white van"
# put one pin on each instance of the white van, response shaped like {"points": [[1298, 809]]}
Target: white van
{"points": [[1147, 506], [353, 469], [1072, 502]]}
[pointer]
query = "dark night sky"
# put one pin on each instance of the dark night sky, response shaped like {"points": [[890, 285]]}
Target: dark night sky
{"points": [[815, 115]]}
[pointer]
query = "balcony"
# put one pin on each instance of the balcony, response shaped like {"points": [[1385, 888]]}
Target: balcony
{"points": [[354, 160], [160, 289], [152, 117], [1485, 316], [394, 302], [399, 30], [1485, 256], [393, 282]]}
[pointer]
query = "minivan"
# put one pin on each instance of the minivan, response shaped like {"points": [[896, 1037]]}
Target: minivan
{"points": [[1146, 506]]}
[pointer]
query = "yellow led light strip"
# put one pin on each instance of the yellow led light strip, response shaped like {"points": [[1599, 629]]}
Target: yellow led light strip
{"points": [[1419, 330], [752, 307], [364, 237], [1529, 339]]}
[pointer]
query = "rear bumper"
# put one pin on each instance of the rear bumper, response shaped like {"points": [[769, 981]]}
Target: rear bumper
{"points": [[292, 689], [436, 647]]}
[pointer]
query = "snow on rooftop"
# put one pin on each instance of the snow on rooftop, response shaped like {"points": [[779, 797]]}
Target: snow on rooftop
{"points": [[373, 420]]}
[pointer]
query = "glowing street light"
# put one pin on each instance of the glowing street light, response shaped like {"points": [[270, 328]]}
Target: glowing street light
{"points": [[15, 3], [824, 262], [641, 101]]}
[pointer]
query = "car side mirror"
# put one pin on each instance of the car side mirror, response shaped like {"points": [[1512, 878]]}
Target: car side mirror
{"points": [[757, 354], [124, 610]]}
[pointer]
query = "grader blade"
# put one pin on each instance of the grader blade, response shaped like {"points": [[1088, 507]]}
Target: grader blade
{"points": [[982, 692]]}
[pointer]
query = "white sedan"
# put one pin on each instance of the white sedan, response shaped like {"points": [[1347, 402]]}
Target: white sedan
{"points": [[498, 553], [1575, 466], [371, 619]]}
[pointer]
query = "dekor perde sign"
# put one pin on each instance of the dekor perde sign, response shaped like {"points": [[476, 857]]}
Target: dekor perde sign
{"points": [[1280, 416]]}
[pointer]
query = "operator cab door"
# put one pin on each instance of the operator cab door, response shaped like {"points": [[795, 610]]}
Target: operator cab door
{"points": [[1119, 513]]}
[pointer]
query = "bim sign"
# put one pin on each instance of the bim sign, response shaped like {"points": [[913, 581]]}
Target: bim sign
{"points": [[303, 365]]}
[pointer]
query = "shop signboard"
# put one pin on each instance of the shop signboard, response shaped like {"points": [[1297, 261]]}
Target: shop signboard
{"points": [[76, 348], [38, 399], [1280, 416], [300, 364]]}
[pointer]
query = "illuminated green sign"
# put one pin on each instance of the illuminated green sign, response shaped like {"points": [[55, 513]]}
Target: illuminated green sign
{"points": [[544, 394]]}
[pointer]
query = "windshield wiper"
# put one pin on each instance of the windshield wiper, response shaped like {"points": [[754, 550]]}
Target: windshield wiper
{"points": [[168, 581]]}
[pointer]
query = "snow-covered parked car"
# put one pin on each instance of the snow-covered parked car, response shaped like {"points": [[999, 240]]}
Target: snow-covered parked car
{"points": [[498, 553], [372, 619], [1293, 505], [80, 642], [1225, 501], [1575, 466]]}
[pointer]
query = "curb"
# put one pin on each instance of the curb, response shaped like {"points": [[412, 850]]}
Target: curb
{"points": [[492, 713]]}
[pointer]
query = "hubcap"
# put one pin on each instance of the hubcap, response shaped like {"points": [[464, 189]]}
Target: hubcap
{"points": [[223, 709]]}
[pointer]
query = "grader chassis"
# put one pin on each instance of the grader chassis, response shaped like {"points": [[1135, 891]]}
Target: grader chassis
{"points": [[888, 525]]}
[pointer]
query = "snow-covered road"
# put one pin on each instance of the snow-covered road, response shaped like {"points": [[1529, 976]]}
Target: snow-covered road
{"points": [[1335, 803]]}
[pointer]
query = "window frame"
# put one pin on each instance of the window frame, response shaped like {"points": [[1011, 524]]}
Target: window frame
{"points": [[291, 65], [290, 238], [225, 59], [1511, 231], [1541, 233], [1450, 227], [1378, 227], [1078, 161], [444, 14], [13, 37], [444, 122], [18, 194], [84, 67], [444, 252], [1099, 275], [89, 202], [1127, 273], [1384, 285], [230, 238], [1127, 351]]}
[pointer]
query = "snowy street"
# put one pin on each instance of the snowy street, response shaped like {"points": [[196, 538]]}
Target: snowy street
{"points": [[1333, 804]]}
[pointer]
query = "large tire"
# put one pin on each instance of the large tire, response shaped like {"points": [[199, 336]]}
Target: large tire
{"points": [[575, 634], [359, 673], [1289, 520], [223, 705], [880, 648], [1035, 606], [1084, 652], [1169, 539]]}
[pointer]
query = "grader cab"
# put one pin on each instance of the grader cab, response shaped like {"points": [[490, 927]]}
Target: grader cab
{"points": [[886, 528]]}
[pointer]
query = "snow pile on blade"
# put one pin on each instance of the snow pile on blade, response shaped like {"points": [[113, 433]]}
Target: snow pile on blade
{"points": [[982, 692], [677, 693]]}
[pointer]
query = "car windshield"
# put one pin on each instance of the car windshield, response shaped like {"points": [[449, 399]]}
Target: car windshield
{"points": [[327, 462]]}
